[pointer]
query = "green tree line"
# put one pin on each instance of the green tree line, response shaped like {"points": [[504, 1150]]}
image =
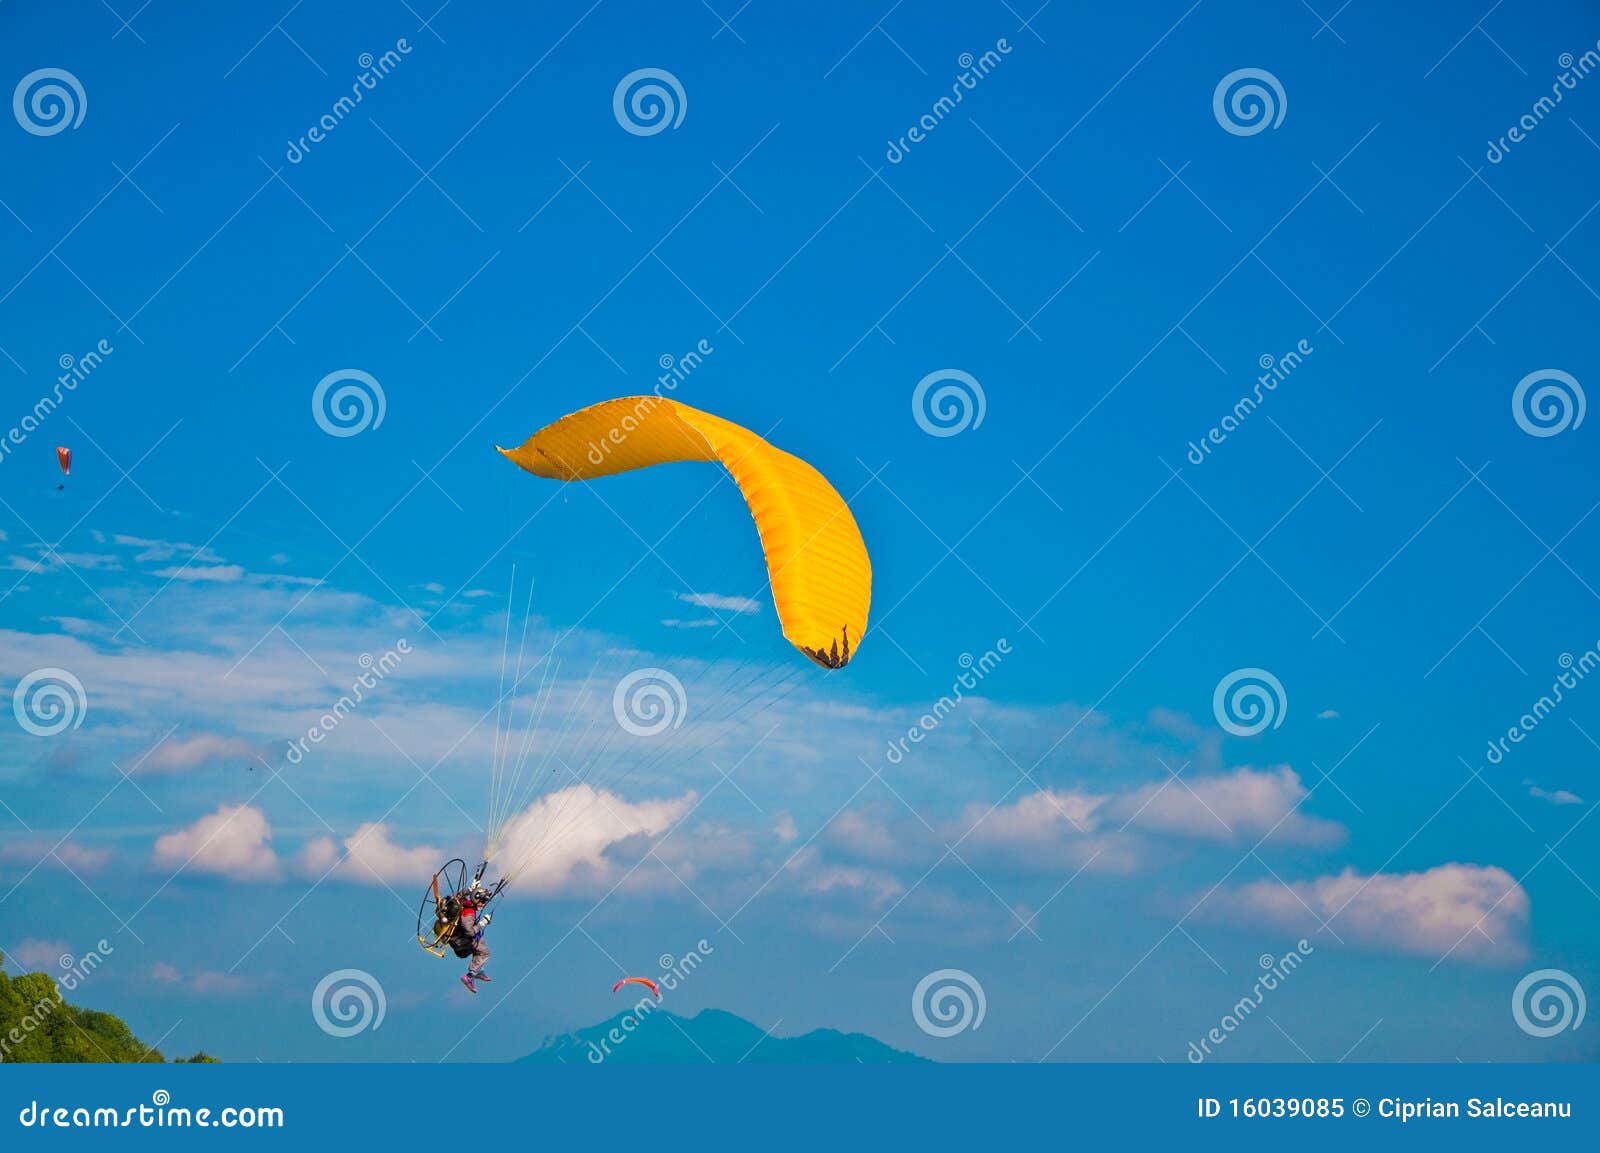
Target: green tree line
{"points": [[38, 1025]]}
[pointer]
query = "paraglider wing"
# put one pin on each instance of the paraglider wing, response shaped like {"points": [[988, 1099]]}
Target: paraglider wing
{"points": [[64, 459], [817, 563], [645, 981]]}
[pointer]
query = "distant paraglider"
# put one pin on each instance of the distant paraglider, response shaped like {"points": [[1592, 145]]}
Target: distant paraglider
{"points": [[64, 459], [645, 981]]}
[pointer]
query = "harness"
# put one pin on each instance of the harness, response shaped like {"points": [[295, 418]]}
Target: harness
{"points": [[462, 942]]}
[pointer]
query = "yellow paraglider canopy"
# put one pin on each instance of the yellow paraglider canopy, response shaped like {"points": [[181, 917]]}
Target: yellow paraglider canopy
{"points": [[817, 563]]}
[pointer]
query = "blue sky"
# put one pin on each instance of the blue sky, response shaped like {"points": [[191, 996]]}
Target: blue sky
{"points": [[1081, 235]]}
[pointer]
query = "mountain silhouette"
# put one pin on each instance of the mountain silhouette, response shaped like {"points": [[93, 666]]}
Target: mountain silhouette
{"points": [[657, 1037]]}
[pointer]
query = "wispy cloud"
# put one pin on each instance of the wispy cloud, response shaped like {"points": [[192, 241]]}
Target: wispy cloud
{"points": [[1469, 912], [722, 603], [1555, 796], [181, 754], [1055, 827], [47, 854], [217, 573]]}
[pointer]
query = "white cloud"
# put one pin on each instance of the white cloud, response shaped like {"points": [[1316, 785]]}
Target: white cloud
{"points": [[39, 956], [861, 836], [1556, 797], [231, 842], [786, 829], [1055, 827], [1471, 912], [184, 753], [719, 602], [1327, 715], [218, 573], [368, 856], [78, 626], [165, 973], [213, 984], [49, 854], [561, 839], [1224, 806], [816, 875], [1048, 830], [155, 551]]}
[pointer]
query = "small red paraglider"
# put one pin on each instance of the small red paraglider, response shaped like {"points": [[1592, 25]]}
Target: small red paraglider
{"points": [[64, 459], [645, 981]]}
